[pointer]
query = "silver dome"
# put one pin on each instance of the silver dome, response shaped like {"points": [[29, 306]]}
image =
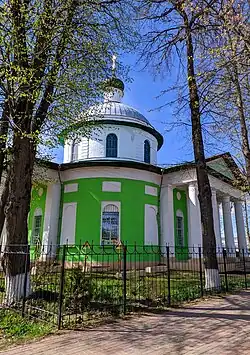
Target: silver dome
{"points": [[116, 111]]}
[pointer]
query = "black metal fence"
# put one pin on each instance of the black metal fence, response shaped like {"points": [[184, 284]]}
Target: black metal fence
{"points": [[68, 285]]}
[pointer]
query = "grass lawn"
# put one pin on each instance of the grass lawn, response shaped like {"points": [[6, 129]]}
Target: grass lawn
{"points": [[15, 329]]}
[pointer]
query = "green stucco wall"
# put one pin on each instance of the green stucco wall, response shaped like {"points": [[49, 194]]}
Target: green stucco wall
{"points": [[181, 253], [36, 202], [89, 198]]}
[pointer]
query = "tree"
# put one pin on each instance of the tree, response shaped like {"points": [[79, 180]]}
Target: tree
{"points": [[226, 52], [175, 27], [52, 55]]}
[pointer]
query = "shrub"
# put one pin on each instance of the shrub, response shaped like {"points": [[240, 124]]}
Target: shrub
{"points": [[78, 290]]}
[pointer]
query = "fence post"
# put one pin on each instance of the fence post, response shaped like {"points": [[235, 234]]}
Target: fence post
{"points": [[61, 288], [25, 278], [225, 267], [201, 278], [168, 266], [244, 267], [124, 278]]}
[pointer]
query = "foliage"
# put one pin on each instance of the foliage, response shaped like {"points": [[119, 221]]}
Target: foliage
{"points": [[53, 56], [78, 291], [14, 328]]}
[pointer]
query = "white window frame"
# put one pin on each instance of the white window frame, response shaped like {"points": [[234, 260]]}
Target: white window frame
{"points": [[179, 213], [118, 205], [74, 145], [37, 213], [118, 144]]}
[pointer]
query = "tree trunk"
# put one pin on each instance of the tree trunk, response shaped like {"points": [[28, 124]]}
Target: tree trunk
{"points": [[4, 126], [3, 201], [243, 126], [17, 209], [205, 196], [246, 221]]}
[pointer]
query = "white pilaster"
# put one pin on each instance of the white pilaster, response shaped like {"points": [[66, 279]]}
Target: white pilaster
{"points": [[227, 220], [194, 218], [51, 217], [242, 243], [216, 219], [167, 217]]}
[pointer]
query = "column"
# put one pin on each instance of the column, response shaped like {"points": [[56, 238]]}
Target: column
{"points": [[167, 217], [216, 219], [51, 217], [227, 220], [194, 218], [240, 225]]}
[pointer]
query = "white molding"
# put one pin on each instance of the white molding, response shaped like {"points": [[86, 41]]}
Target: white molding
{"points": [[69, 239], [38, 212], [71, 187], [110, 172], [194, 216], [111, 186], [150, 237], [179, 213], [130, 143], [117, 133], [167, 217], [151, 190], [222, 186], [51, 217], [189, 177], [228, 224]]}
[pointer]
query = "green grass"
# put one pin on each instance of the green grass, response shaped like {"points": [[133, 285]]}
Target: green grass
{"points": [[15, 329], [97, 295]]}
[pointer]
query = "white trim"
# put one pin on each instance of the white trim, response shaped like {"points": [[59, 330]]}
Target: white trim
{"points": [[167, 218], [51, 217], [228, 224], [110, 172], [179, 213], [240, 226], [111, 186], [151, 190], [189, 176], [38, 212], [71, 187], [194, 216], [118, 141], [68, 239], [150, 237], [118, 205]]}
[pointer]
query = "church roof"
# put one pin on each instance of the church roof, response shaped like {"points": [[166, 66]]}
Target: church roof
{"points": [[118, 110]]}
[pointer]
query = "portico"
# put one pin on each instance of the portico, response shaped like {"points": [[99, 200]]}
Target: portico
{"points": [[227, 203]]}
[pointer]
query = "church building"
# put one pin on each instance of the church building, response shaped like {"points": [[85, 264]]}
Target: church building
{"points": [[109, 188]]}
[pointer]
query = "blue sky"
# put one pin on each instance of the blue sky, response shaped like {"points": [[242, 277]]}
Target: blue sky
{"points": [[142, 94]]}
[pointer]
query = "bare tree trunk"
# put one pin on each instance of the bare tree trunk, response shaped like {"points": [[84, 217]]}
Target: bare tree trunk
{"points": [[205, 195], [246, 221], [243, 126], [17, 209], [3, 201], [4, 126]]}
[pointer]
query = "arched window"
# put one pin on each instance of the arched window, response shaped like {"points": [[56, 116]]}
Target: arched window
{"points": [[180, 228], [37, 226], [111, 146], [146, 152], [110, 224], [74, 151]]}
